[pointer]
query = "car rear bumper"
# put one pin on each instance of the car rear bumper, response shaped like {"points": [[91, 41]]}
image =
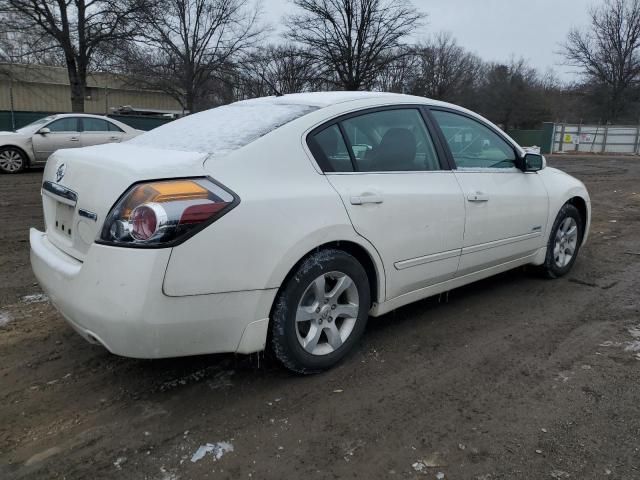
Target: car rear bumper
{"points": [[114, 297]]}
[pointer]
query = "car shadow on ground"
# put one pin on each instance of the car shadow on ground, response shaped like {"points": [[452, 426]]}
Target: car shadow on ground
{"points": [[171, 373]]}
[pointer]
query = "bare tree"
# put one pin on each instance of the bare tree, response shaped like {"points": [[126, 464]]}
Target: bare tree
{"points": [[352, 38], [79, 29], [607, 52], [398, 75], [511, 94], [445, 70], [182, 45], [278, 70], [26, 46]]}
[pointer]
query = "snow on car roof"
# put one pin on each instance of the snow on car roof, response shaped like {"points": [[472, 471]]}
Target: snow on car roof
{"points": [[223, 129]]}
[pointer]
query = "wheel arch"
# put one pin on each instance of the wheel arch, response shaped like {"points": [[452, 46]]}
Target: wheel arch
{"points": [[581, 206], [367, 258]]}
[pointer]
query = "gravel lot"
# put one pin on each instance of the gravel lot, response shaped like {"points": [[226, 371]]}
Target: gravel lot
{"points": [[513, 377]]}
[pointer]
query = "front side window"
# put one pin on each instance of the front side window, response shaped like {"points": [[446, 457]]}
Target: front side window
{"points": [[391, 141], [474, 145], [69, 124]]}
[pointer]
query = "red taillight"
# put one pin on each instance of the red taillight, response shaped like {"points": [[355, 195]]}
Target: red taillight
{"points": [[200, 213]]}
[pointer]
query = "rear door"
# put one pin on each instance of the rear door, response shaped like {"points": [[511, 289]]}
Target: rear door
{"points": [[96, 131], [506, 209], [64, 133], [398, 191]]}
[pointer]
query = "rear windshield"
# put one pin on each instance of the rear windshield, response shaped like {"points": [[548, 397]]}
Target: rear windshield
{"points": [[221, 130]]}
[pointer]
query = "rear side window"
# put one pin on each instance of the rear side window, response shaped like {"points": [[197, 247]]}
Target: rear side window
{"points": [[114, 128], [94, 125], [391, 141], [383, 141], [329, 148]]}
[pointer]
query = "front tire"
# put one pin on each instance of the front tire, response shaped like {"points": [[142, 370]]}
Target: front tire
{"points": [[564, 242], [12, 160], [321, 312]]}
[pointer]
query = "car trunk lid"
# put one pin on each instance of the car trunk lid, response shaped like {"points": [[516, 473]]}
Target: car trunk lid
{"points": [[81, 185]]}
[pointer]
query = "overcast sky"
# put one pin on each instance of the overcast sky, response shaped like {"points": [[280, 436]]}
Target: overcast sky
{"points": [[494, 29]]}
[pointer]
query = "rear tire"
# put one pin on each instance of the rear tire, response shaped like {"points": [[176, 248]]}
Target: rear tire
{"points": [[321, 312], [12, 160], [564, 242]]}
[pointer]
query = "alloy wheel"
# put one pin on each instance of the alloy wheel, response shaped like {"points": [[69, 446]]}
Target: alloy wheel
{"points": [[327, 313], [566, 242], [11, 161]]}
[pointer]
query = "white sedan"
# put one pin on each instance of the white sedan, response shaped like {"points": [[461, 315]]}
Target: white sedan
{"points": [[284, 222], [33, 143]]}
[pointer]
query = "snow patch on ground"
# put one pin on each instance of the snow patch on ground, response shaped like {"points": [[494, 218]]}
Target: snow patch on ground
{"points": [[35, 298], [217, 450], [634, 332], [632, 346], [5, 318]]}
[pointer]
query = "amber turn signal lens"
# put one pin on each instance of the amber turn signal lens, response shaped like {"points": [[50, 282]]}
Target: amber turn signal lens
{"points": [[159, 192]]}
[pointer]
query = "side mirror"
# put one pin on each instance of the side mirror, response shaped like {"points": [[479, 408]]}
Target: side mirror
{"points": [[44, 131], [533, 162]]}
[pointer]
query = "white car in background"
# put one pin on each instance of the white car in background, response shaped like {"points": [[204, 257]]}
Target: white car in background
{"points": [[33, 143], [289, 220]]}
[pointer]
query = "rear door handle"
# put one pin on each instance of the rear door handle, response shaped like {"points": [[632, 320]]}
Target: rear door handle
{"points": [[478, 197], [366, 198], [74, 139]]}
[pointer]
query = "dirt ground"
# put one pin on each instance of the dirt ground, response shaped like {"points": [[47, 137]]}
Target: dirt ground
{"points": [[515, 377]]}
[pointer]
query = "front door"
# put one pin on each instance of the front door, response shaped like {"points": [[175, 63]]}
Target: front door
{"points": [[398, 195], [506, 209], [63, 133]]}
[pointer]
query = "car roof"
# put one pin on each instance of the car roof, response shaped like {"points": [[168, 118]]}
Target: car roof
{"points": [[120, 124], [327, 99], [88, 115]]}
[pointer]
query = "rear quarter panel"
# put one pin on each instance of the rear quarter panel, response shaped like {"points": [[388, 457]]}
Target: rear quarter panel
{"points": [[287, 208]]}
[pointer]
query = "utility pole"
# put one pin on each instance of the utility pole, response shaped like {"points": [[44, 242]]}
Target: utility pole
{"points": [[13, 117]]}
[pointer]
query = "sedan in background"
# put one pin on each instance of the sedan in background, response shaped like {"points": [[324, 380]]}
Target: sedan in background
{"points": [[285, 222], [31, 145]]}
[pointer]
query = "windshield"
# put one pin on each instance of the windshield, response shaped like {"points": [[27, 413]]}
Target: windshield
{"points": [[221, 130], [33, 126]]}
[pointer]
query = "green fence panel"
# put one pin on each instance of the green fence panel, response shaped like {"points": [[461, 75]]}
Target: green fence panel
{"points": [[20, 119], [527, 138], [548, 130], [141, 122]]}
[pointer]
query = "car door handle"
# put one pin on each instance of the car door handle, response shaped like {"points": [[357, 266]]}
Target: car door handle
{"points": [[366, 198], [478, 197], [74, 139], [113, 138]]}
